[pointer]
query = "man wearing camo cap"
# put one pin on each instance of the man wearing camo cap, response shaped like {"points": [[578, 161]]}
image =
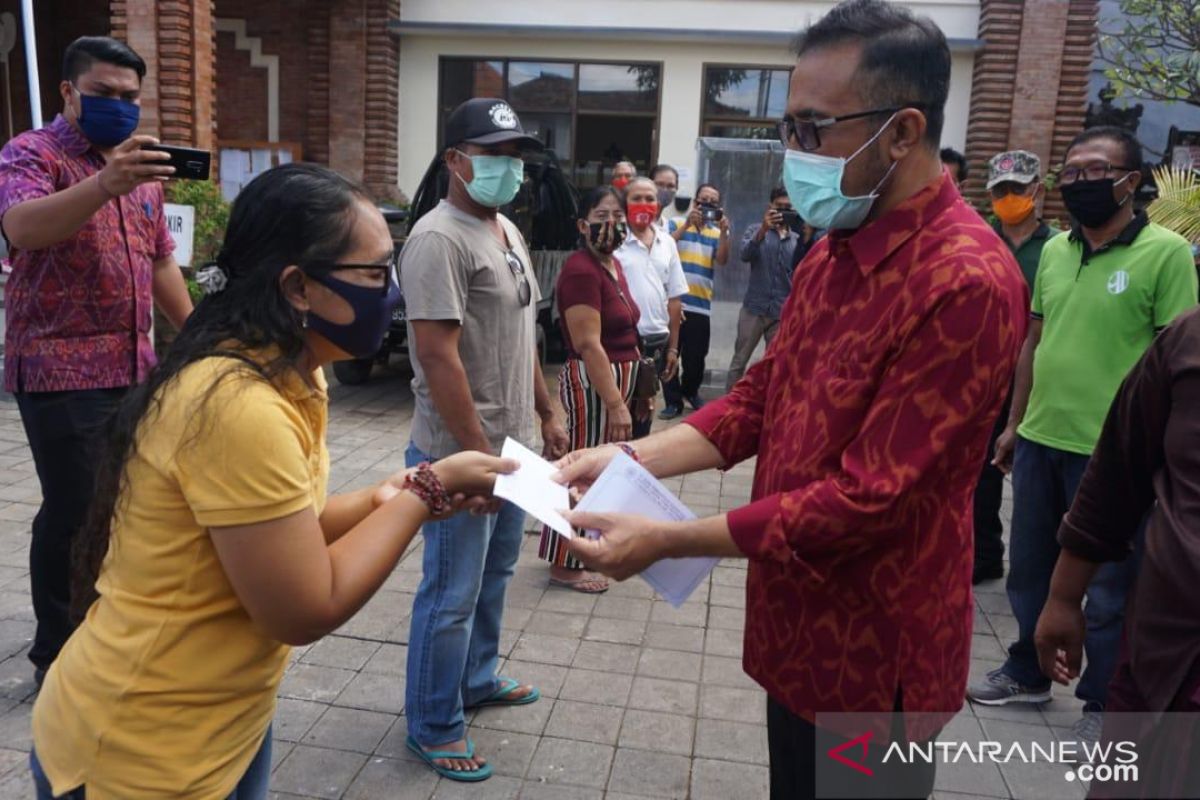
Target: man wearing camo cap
{"points": [[1015, 183]]}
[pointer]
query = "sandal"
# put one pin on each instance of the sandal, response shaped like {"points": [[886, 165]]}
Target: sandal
{"points": [[466, 775], [581, 584], [500, 697]]}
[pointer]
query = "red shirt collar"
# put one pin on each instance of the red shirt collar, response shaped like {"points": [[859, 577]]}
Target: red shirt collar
{"points": [[871, 244]]}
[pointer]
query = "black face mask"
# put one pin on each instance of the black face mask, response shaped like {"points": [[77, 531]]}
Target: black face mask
{"points": [[597, 233], [1091, 202]]}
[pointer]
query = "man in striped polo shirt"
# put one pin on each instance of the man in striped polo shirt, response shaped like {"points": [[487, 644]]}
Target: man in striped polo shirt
{"points": [[703, 241]]}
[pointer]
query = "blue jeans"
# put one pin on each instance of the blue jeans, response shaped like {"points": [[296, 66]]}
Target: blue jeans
{"points": [[252, 786], [454, 642], [1044, 483]]}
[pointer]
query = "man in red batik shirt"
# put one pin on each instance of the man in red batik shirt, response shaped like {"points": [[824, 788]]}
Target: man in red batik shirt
{"points": [[869, 414]]}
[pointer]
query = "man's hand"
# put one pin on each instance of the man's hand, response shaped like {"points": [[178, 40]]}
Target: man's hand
{"points": [[129, 166], [695, 219], [771, 220], [671, 366], [1059, 639], [723, 224], [1005, 445], [580, 469], [555, 442], [627, 544]]}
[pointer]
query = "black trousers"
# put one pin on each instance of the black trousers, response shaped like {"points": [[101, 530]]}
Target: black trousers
{"points": [[989, 493], [65, 432], [693, 349], [795, 745], [652, 347]]}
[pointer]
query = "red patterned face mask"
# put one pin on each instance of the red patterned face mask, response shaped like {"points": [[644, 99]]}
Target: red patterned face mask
{"points": [[641, 214]]}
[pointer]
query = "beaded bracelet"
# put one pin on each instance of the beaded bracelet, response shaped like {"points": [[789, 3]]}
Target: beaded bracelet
{"points": [[426, 485], [628, 450]]}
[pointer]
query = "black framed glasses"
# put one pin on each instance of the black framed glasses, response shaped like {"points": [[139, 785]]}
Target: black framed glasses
{"points": [[806, 133], [388, 271], [1095, 171], [524, 292]]}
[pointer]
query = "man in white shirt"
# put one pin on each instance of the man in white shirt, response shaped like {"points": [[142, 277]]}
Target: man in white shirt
{"points": [[650, 260]]}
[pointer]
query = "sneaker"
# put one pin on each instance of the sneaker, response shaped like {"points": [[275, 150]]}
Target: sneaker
{"points": [[999, 689], [1086, 729], [670, 412], [986, 572], [696, 402]]}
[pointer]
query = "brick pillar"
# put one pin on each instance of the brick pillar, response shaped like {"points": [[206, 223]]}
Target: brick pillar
{"points": [[992, 89], [1030, 84], [348, 105], [316, 139], [381, 170], [136, 23]]}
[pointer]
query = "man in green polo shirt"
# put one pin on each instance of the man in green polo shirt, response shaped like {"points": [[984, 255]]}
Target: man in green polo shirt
{"points": [[1101, 294], [1015, 184]]}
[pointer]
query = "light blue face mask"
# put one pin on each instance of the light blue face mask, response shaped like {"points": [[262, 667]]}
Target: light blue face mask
{"points": [[496, 179], [814, 185]]}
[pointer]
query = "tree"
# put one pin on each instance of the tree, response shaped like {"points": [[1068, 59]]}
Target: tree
{"points": [[1154, 51]]}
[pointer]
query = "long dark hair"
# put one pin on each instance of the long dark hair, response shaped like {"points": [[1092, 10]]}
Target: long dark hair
{"points": [[294, 214]]}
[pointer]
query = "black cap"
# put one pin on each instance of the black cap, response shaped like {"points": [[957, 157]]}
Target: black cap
{"points": [[487, 120]]}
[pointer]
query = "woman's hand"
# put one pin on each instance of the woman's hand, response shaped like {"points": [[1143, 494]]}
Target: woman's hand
{"points": [[471, 473], [620, 423]]}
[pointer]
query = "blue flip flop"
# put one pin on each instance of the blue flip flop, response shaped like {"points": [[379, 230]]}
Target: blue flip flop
{"points": [[500, 696], [467, 776]]}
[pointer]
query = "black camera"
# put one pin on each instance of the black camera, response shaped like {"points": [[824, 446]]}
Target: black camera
{"points": [[710, 213]]}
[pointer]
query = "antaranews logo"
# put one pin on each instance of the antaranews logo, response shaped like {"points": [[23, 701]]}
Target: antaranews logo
{"points": [[1086, 761]]}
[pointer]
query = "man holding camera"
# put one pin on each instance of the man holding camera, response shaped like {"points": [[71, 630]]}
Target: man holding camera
{"points": [[81, 206], [703, 241], [772, 248]]}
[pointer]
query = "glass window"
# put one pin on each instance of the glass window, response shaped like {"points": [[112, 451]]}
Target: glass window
{"points": [[553, 130], [463, 79], [541, 86], [745, 92], [729, 130], [618, 87]]}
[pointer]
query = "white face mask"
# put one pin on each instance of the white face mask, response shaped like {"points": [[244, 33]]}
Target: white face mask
{"points": [[814, 185]]}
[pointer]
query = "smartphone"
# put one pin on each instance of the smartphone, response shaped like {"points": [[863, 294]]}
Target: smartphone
{"points": [[190, 164], [792, 219]]}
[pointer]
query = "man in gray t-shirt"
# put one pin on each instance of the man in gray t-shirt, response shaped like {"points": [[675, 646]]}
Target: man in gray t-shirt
{"points": [[471, 300]]}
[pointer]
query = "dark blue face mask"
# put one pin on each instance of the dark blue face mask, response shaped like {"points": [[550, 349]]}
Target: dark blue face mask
{"points": [[107, 121], [373, 308]]}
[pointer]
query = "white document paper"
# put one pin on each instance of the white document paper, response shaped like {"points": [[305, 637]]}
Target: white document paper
{"points": [[626, 487], [531, 489]]}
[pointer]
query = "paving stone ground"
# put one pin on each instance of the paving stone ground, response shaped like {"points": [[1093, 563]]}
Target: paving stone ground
{"points": [[640, 700]]}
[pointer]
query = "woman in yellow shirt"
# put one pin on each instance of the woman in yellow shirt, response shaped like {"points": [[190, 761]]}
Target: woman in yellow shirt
{"points": [[211, 545]]}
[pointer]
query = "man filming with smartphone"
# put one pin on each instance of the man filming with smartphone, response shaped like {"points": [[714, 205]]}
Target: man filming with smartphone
{"points": [[703, 242], [81, 207], [772, 248]]}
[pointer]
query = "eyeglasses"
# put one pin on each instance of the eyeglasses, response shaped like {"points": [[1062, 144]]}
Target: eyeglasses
{"points": [[807, 132], [1013, 187], [524, 293], [1095, 171], [388, 272]]}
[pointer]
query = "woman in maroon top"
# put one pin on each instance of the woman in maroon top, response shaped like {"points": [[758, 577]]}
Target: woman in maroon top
{"points": [[599, 325]]}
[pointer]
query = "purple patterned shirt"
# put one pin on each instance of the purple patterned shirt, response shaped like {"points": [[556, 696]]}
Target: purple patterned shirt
{"points": [[79, 312]]}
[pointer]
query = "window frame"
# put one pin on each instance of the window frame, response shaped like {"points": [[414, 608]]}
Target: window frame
{"points": [[747, 122], [574, 111]]}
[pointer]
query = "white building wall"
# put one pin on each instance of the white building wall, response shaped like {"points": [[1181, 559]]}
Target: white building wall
{"points": [[682, 75]]}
